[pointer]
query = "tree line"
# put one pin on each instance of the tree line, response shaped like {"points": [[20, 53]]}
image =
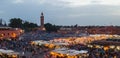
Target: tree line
{"points": [[19, 23], [29, 26]]}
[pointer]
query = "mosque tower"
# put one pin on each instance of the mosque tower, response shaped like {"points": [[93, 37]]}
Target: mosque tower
{"points": [[42, 19], [42, 22]]}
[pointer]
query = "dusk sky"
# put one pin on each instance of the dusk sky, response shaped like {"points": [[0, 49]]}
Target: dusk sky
{"points": [[63, 12]]}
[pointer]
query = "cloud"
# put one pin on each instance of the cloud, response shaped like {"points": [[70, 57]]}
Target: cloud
{"points": [[1, 12], [63, 11], [76, 3], [71, 3], [18, 1], [111, 2]]}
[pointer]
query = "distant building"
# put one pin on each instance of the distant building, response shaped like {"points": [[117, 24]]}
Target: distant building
{"points": [[42, 19], [68, 30], [8, 32], [42, 28], [91, 30], [104, 30]]}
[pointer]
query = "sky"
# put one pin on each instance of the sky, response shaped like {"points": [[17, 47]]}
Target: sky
{"points": [[63, 12]]}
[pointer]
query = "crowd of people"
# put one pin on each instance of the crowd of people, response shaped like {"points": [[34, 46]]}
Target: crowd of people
{"points": [[101, 53], [26, 50], [23, 46]]}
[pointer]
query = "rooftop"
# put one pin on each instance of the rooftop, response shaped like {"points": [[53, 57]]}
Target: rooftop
{"points": [[2, 26]]}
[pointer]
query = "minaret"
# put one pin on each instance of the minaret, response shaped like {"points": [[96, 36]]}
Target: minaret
{"points": [[42, 22], [42, 19]]}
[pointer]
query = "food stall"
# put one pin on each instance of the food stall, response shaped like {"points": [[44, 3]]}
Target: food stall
{"points": [[8, 54], [68, 53]]}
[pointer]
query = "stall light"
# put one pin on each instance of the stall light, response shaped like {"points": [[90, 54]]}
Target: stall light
{"points": [[97, 46], [118, 47], [39, 44], [106, 48], [67, 54], [90, 46], [32, 42], [1, 35], [112, 47], [14, 56], [14, 35], [52, 53], [21, 31]]}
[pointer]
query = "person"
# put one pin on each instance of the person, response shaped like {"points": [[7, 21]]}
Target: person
{"points": [[23, 56], [29, 57], [23, 53]]}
